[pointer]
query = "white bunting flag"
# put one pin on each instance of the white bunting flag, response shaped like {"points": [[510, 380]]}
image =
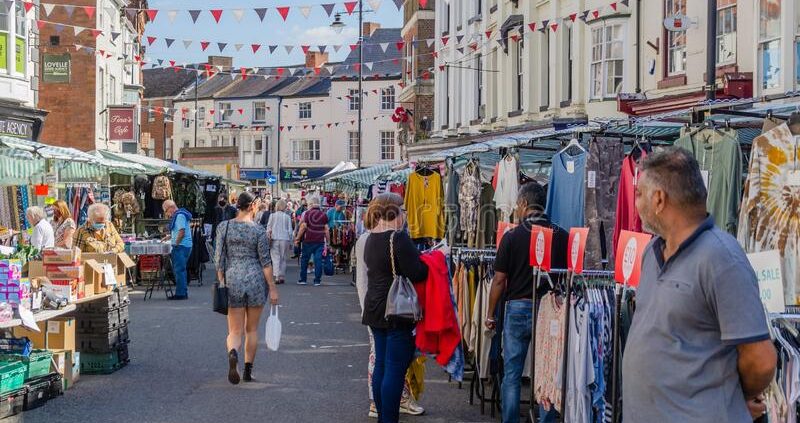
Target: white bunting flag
{"points": [[171, 15], [384, 46], [238, 46], [337, 47], [48, 8], [375, 4], [187, 43], [305, 10], [238, 14]]}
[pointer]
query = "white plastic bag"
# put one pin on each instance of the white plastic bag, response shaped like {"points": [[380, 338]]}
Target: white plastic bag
{"points": [[273, 335]]}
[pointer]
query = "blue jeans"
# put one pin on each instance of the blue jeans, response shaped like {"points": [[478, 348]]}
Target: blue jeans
{"points": [[516, 340], [309, 249], [394, 350], [180, 258]]}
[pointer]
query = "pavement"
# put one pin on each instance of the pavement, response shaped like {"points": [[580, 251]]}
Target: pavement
{"points": [[178, 369]]}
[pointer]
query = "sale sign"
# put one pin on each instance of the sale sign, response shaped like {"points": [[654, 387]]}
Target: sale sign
{"points": [[121, 124], [576, 248], [502, 228], [541, 247], [630, 250], [767, 266]]}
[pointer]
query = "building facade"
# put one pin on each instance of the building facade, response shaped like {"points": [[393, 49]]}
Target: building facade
{"points": [[162, 86], [416, 93]]}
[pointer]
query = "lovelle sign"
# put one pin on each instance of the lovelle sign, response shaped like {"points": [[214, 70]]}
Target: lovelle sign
{"points": [[767, 266], [541, 246], [630, 250], [502, 228], [576, 248], [121, 124]]}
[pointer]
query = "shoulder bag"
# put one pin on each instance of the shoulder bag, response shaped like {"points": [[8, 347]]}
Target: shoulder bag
{"points": [[220, 293], [402, 304]]}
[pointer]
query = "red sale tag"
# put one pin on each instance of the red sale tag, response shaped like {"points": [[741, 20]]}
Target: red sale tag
{"points": [[576, 248], [541, 244], [502, 228], [630, 250]]}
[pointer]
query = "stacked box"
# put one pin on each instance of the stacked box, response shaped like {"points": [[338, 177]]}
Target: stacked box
{"points": [[66, 279], [41, 390], [102, 338], [12, 403]]}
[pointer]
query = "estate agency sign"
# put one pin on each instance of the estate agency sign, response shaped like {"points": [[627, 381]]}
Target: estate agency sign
{"points": [[121, 124], [56, 68]]}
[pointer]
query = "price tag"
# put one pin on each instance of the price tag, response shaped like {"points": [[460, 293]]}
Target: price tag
{"points": [[793, 178], [591, 179], [541, 244], [767, 266], [576, 249], [705, 175], [554, 327], [110, 276], [571, 166], [630, 250]]}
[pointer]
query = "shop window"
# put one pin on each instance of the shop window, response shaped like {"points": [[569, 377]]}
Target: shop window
{"points": [[726, 32], [769, 43], [676, 40]]}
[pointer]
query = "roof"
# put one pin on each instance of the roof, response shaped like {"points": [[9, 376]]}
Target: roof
{"points": [[253, 86], [383, 63], [210, 87], [305, 87], [165, 82]]}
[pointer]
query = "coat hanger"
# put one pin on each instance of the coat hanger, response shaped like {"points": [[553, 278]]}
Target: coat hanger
{"points": [[572, 143]]}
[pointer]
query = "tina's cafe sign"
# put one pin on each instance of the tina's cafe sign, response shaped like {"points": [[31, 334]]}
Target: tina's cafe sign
{"points": [[121, 124]]}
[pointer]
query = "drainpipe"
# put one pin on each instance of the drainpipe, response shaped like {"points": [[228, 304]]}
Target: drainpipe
{"points": [[711, 51], [638, 46]]}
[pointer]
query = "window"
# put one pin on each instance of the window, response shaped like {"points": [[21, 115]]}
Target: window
{"points": [[305, 150], [387, 98], [446, 18], [224, 142], [201, 114], [185, 143], [215, 141], [354, 145], [447, 84], [259, 111], [387, 145], [168, 149], [566, 64], [201, 142], [769, 43], [186, 123], [225, 112], [676, 40], [112, 91], [607, 57], [304, 110], [151, 113], [480, 107], [726, 32], [355, 100], [519, 81], [544, 91]]}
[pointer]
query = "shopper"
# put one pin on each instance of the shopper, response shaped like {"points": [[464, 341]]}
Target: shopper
{"points": [[63, 224], [394, 340], [513, 282], [279, 231], [313, 233], [336, 215], [407, 403], [243, 265], [99, 235], [43, 236], [181, 239], [262, 211], [296, 217], [699, 348]]}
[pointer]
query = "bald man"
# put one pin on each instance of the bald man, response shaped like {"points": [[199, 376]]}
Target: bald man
{"points": [[181, 238]]}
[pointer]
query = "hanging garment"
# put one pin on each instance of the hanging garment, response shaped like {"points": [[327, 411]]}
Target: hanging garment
{"points": [[627, 216], [469, 195], [769, 218], [602, 182], [423, 202], [162, 188], [487, 219], [451, 205], [549, 348], [565, 192], [505, 195], [720, 158], [580, 368]]}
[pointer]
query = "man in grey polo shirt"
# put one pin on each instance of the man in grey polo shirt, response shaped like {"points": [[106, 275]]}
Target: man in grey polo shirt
{"points": [[699, 348]]}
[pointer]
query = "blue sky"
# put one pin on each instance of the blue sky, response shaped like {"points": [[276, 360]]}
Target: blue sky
{"points": [[297, 30]]}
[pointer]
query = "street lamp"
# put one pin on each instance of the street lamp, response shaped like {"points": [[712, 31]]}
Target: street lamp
{"points": [[338, 26]]}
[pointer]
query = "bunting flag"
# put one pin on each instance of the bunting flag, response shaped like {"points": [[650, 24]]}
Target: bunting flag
{"points": [[384, 46], [375, 4], [284, 12], [169, 41], [40, 24], [261, 12], [614, 6], [222, 46], [289, 49], [171, 15], [584, 15], [445, 40], [532, 26], [350, 6], [423, 3], [353, 47], [398, 3], [305, 11], [69, 9], [115, 35], [573, 16], [596, 13], [151, 40], [272, 49], [488, 34], [305, 49], [322, 48], [187, 43], [96, 33], [328, 7], [625, 2], [194, 13], [544, 25], [554, 26], [204, 45], [151, 14], [255, 47], [217, 14], [29, 5], [48, 8], [238, 14], [399, 45], [238, 46], [89, 10]]}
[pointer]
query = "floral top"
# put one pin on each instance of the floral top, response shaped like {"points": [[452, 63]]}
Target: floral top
{"points": [[61, 229], [91, 241]]}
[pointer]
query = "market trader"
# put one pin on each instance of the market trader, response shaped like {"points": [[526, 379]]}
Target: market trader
{"points": [[699, 348], [181, 238], [513, 280], [336, 215], [99, 235]]}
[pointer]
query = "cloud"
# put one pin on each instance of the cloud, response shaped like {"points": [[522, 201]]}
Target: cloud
{"points": [[325, 35]]}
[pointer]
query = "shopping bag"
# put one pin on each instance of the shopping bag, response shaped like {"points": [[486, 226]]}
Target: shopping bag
{"points": [[273, 335], [402, 303], [327, 263], [220, 298]]}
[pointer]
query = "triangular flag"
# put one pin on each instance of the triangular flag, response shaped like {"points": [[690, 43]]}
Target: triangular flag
{"points": [[29, 5], [255, 47], [255, 70], [350, 6], [357, 66], [151, 14], [384, 46], [71, 9], [171, 15], [488, 34], [169, 41], [584, 15], [328, 8], [573, 16], [514, 37], [322, 48], [459, 38], [353, 47], [400, 45], [160, 61], [89, 11], [435, 54], [305, 10], [238, 46], [399, 3], [272, 49], [241, 111], [329, 69], [77, 30], [172, 63], [460, 50], [375, 4], [40, 24], [441, 67], [430, 42], [614, 6], [222, 46], [423, 3], [292, 71], [261, 12], [554, 26], [48, 8], [238, 14], [204, 45], [544, 25], [151, 40], [532, 26], [445, 40], [369, 65], [288, 49], [317, 71], [284, 12], [625, 2], [305, 49], [232, 75], [96, 33], [337, 47], [217, 14], [194, 14], [187, 43], [596, 13]]}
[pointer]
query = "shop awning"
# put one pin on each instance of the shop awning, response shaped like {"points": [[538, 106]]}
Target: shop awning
{"points": [[660, 131], [364, 177], [154, 166]]}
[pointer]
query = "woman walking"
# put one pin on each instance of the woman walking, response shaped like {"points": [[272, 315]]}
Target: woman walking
{"points": [[244, 266], [394, 340], [63, 224], [279, 231]]}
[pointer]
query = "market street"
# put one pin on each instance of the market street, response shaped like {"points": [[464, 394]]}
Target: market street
{"points": [[178, 367]]}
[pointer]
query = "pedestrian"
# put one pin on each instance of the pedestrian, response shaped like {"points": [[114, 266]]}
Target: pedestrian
{"points": [[407, 403], [512, 282], [279, 232], [98, 235], [42, 236], [699, 347], [313, 233], [243, 265], [230, 209], [181, 240], [336, 214], [394, 339], [63, 224], [296, 217], [262, 209]]}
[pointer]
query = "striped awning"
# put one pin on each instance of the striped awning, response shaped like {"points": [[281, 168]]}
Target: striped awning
{"points": [[363, 177], [669, 132]]}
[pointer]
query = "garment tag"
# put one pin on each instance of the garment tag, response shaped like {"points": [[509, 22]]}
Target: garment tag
{"points": [[571, 166], [793, 178], [53, 327], [704, 173], [591, 179], [554, 327], [636, 176]]}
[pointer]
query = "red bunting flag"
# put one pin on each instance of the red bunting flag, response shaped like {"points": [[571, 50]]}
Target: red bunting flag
{"points": [[151, 14], [329, 125], [212, 111], [280, 71], [241, 111], [573, 16], [317, 70], [305, 49], [353, 47], [96, 33], [435, 54], [244, 74], [40, 24], [280, 128], [423, 3], [255, 47], [172, 63], [400, 45], [151, 40], [357, 66], [89, 11], [401, 84], [28, 6], [284, 11], [217, 14], [426, 75], [596, 14], [445, 40], [350, 6], [441, 67], [554, 26], [488, 34], [614, 6], [532, 26], [515, 38], [204, 45]]}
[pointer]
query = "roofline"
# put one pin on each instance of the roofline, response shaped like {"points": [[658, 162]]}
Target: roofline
{"points": [[305, 96]]}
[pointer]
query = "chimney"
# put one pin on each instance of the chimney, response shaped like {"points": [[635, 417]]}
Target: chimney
{"points": [[315, 59], [225, 61], [370, 27]]}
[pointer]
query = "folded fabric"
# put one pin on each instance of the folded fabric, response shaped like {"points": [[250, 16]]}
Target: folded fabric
{"points": [[437, 333]]}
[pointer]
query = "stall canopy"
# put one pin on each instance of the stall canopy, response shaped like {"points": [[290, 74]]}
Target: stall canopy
{"points": [[154, 166]]}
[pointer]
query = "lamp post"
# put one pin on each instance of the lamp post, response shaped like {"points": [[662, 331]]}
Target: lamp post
{"points": [[337, 26]]}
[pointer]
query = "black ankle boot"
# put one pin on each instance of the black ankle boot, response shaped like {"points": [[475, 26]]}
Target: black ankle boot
{"points": [[248, 372], [233, 362]]}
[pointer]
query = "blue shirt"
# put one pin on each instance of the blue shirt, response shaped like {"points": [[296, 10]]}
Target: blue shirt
{"points": [[182, 223], [336, 218], [565, 192]]}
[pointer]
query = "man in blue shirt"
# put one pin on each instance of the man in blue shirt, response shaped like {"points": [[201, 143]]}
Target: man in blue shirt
{"points": [[336, 216], [181, 238]]}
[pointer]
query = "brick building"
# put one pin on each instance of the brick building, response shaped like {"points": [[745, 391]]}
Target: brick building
{"points": [[417, 92], [162, 86]]}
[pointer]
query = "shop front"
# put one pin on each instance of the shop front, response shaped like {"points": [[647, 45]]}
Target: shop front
{"points": [[21, 122], [291, 177]]}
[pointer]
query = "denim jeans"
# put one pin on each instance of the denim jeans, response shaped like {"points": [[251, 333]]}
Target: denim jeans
{"points": [[309, 249], [180, 258], [394, 350], [516, 340]]}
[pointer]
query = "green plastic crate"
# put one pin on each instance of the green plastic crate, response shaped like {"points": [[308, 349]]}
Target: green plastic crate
{"points": [[100, 364], [12, 376], [37, 364]]}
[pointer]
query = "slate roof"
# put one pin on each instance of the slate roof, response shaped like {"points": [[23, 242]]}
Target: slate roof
{"points": [[253, 86], [384, 64], [209, 88], [165, 82], [305, 87]]}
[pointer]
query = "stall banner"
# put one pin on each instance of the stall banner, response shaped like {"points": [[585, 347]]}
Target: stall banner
{"points": [[502, 228], [541, 247], [630, 250], [121, 121], [576, 248], [767, 266]]}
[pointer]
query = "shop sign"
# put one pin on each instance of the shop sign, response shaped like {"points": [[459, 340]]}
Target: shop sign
{"points": [[541, 247], [767, 266], [576, 248], [121, 124], [301, 174], [56, 68], [254, 174], [16, 128], [630, 250]]}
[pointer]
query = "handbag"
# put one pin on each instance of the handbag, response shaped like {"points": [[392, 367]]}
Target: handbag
{"points": [[401, 304], [327, 263], [220, 290]]}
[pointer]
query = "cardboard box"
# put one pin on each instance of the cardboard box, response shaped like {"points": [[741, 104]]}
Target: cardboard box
{"points": [[72, 369], [120, 262], [87, 289], [59, 363], [67, 288], [64, 272], [60, 333], [36, 269], [63, 256], [93, 276]]}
